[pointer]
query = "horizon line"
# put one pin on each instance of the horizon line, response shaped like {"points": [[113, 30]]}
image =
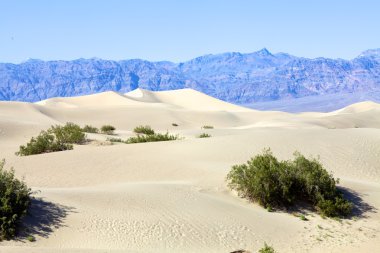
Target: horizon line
{"points": [[179, 62]]}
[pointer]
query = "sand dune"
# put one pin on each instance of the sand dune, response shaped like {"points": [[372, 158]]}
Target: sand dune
{"points": [[185, 98], [109, 98], [360, 107], [172, 196]]}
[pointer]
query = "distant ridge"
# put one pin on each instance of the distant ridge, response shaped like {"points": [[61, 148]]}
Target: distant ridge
{"points": [[258, 77]]}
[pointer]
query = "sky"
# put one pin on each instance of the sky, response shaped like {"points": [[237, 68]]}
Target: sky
{"points": [[179, 30]]}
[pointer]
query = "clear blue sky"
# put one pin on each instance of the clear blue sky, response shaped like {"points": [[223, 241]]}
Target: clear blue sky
{"points": [[179, 30]]}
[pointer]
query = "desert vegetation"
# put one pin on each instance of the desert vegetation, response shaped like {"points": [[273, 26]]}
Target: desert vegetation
{"points": [[115, 140], [207, 127], [68, 134], [144, 130], [31, 238], [204, 135], [152, 138], [56, 138], [267, 249], [280, 184], [90, 129], [60, 138], [107, 129], [147, 134], [15, 197]]}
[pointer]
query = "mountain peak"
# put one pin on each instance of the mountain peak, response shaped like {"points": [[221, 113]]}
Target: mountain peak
{"points": [[32, 60], [263, 52], [371, 52]]}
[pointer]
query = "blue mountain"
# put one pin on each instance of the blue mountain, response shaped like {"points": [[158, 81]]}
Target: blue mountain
{"points": [[234, 77]]}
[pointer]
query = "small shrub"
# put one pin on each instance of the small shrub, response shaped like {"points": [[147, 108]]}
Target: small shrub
{"points": [[107, 129], [207, 127], [31, 238], [267, 249], [115, 140], [14, 202], [90, 129], [44, 143], [268, 181], [151, 138], [68, 134], [334, 207], [56, 138], [303, 217], [143, 130], [174, 124], [204, 135]]}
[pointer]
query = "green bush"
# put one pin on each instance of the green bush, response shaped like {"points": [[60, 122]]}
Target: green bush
{"points": [[56, 138], [14, 202], [207, 127], [44, 143], [107, 129], [151, 138], [280, 184], [90, 129], [204, 135], [335, 207], [31, 238], [115, 140], [143, 130], [68, 134], [267, 249]]}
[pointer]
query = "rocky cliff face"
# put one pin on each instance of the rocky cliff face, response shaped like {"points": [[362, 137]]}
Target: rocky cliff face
{"points": [[234, 77]]}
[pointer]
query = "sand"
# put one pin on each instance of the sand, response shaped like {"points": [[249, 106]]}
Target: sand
{"points": [[172, 196]]}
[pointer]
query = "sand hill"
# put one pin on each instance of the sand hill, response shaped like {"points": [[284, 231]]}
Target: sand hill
{"points": [[172, 196]]}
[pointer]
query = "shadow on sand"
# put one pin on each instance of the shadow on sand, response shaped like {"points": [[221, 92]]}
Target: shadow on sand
{"points": [[361, 208], [42, 219]]}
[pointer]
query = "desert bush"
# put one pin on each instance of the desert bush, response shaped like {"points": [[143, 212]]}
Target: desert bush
{"points": [[68, 134], [90, 129], [107, 129], [56, 138], [31, 238], [174, 124], [274, 183], [143, 130], [334, 207], [207, 127], [151, 138], [45, 142], [204, 135], [14, 202], [115, 140], [267, 249]]}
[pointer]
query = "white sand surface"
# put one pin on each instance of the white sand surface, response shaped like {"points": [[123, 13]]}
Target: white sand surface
{"points": [[172, 196]]}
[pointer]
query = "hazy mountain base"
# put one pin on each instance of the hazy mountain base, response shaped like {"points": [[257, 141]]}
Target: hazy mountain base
{"points": [[322, 103]]}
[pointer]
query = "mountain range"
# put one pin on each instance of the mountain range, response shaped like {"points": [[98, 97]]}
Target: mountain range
{"points": [[253, 79]]}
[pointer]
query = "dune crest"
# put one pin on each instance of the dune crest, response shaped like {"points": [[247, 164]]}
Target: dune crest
{"points": [[360, 107], [108, 98]]}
